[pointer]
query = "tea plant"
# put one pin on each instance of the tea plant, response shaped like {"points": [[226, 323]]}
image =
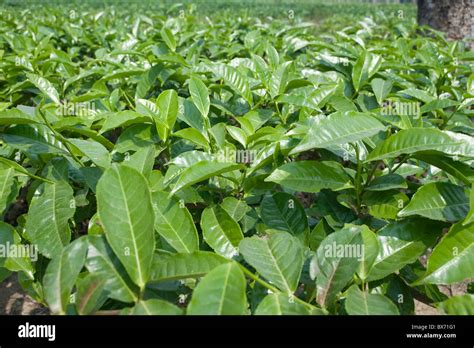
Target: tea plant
{"points": [[172, 163]]}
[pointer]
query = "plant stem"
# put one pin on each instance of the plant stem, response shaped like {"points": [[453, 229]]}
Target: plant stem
{"points": [[399, 164], [371, 174], [60, 138], [271, 287], [128, 100], [358, 182]]}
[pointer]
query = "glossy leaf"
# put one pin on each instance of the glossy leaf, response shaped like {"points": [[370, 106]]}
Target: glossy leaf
{"points": [[102, 262], [125, 210], [280, 304], [220, 231], [401, 243], [438, 201], [44, 86], [310, 176], [47, 224], [187, 265], [199, 95], [153, 307], [361, 303], [458, 305], [278, 258], [220, 292], [336, 261], [408, 141], [381, 89], [61, 275], [365, 67], [452, 258], [281, 211], [167, 103], [201, 171], [6, 188], [339, 128], [174, 223]]}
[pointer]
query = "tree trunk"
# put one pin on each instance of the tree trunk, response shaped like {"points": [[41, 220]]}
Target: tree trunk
{"points": [[454, 17]]}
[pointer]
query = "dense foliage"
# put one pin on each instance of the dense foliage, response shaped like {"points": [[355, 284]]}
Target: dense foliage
{"points": [[170, 163]]}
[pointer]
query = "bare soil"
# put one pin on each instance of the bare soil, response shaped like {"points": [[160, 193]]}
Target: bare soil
{"points": [[14, 300]]}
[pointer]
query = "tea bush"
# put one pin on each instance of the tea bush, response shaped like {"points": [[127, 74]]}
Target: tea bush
{"points": [[171, 162]]}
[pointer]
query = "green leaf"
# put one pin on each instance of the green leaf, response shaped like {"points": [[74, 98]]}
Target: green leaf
{"points": [[401, 243], [194, 136], [311, 176], [199, 95], [238, 134], [234, 79], [279, 80], [336, 261], [101, 261], [470, 215], [47, 223], [182, 266], [408, 141], [95, 151], [438, 104], [438, 201], [44, 86], [90, 294], [19, 169], [142, 160], [15, 256], [235, 208], [417, 94], [281, 211], [386, 205], [220, 231], [370, 252], [220, 292], [168, 38], [361, 303], [6, 188], [317, 235], [339, 128], [452, 259], [32, 140], [61, 275], [458, 305], [278, 258], [381, 89], [201, 171], [281, 304], [122, 119], [365, 67], [125, 210], [174, 223], [387, 182], [17, 116], [167, 103], [153, 307], [460, 170]]}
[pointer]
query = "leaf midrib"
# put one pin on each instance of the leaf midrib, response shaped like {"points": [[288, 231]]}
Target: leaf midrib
{"points": [[173, 229], [132, 230], [224, 289]]}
